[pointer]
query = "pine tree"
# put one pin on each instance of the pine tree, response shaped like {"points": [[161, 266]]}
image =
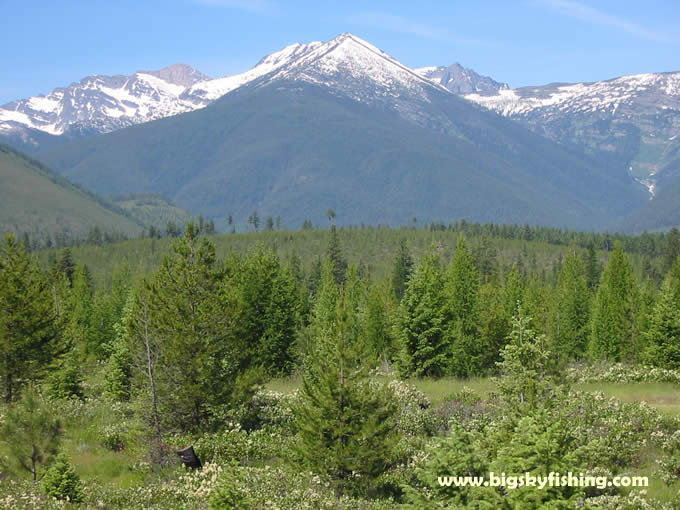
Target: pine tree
{"points": [[663, 335], [345, 421], [375, 322], [570, 315], [269, 298], [193, 318], [78, 327], [29, 339], [31, 434], [528, 366], [613, 334], [671, 248], [461, 291], [514, 293], [66, 265], [422, 325], [62, 482], [401, 270], [334, 254], [675, 281], [592, 266], [119, 373], [66, 381], [107, 309]]}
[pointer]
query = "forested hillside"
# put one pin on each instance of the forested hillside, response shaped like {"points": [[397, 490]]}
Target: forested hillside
{"points": [[45, 206], [115, 356]]}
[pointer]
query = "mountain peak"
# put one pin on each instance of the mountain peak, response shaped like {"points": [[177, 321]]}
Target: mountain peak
{"points": [[461, 80], [179, 74]]}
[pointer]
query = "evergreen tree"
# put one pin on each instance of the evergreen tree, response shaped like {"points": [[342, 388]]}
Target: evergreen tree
{"points": [[269, 224], [254, 220], [671, 249], [193, 318], [78, 329], [570, 316], [62, 482], [375, 323], [528, 366], [345, 421], [613, 334], [334, 254], [461, 291], [401, 270], [514, 293], [30, 432], [29, 339], [592, 266], [422, 324], [675, 281], [172, 230], [663, 335], [119, 373], [323, 315], [66, 381], [269, 299], [66, 265], [107, 309]]}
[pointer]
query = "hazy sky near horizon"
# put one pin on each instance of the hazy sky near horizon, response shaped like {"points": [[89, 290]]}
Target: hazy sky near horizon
{"points": [[48, 44]]}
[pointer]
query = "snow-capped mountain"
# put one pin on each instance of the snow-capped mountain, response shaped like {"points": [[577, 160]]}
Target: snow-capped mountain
{"points": [[461, 80], [100, 104], [633, 119]]}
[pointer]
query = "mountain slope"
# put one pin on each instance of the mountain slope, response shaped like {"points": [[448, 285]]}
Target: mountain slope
{"points": [[152, 209], [36, 201], [344, 125], [632, 122]]}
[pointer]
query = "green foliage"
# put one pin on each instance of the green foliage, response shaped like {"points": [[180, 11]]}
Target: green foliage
{"points": [[269, 301], [231, 493], [29, 339], [422, 322], [154, 209], [345, 422], [375, 322], [613, 334], [528, 366], [663, 334], [62, 482], [191, 314], [31, 433], [570, 314], [66, 381], [119, 370], [44, 204], [107, 310], [401, 270], [461, 293], [334, 255]]}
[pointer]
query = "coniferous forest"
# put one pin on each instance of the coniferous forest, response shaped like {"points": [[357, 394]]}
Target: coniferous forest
{"points": [[340, 368]]}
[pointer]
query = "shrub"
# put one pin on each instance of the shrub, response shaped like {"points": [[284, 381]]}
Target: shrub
{"points": [[62, 482]]}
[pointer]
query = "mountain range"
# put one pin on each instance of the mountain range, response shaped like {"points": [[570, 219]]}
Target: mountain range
{"points": [[342, 124]]}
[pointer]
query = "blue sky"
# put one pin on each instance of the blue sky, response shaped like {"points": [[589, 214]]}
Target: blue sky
{"points": [[522, 42]]}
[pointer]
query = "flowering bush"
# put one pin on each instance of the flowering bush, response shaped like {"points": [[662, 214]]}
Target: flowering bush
{"points": [[621, 373]]}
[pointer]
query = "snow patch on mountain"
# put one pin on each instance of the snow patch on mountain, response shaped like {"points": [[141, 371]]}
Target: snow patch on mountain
{"points": [[606, 96]]}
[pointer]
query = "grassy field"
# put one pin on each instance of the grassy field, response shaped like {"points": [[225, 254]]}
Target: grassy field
{"points": [[663, 396]]}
